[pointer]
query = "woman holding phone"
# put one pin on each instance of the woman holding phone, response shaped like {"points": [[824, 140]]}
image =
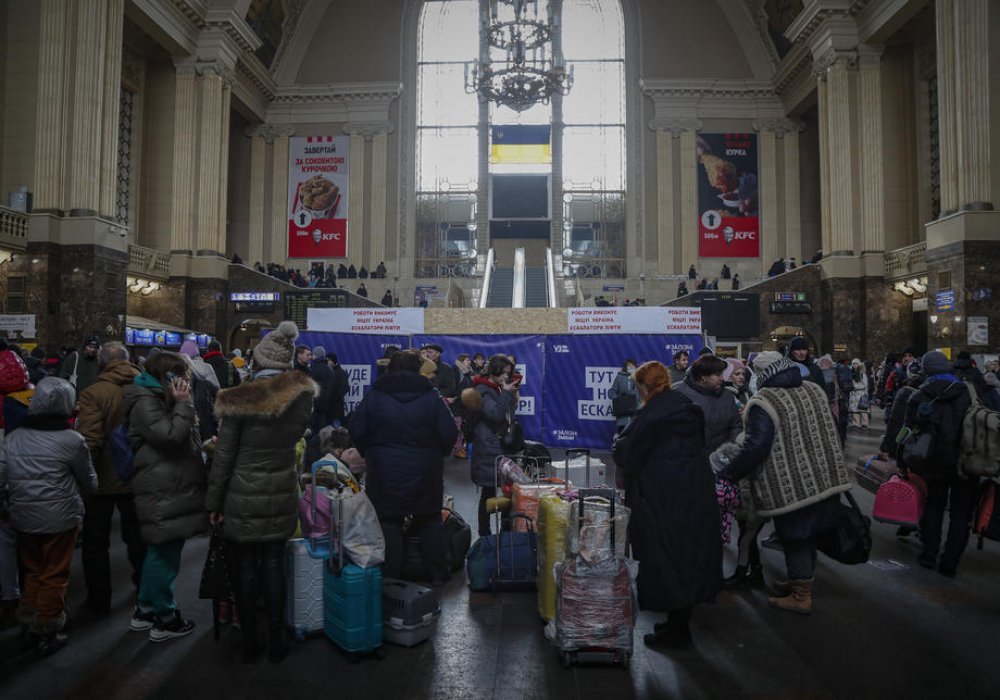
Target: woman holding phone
{"points": [[169, 487]]}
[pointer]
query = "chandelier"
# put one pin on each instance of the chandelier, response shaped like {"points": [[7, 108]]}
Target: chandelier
{"points": [[529, 72]]}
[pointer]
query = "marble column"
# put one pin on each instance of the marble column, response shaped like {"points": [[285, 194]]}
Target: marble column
{"points": [[771, 244], [221, 228], [258, 194], [842, 151], [793, 210], [182, 200], [824, 162], [209, 129], [947, 103], [871, 151], [88, 34], [689, 198], [112, 77], [665, 209], [379, 193], [279, 199], [52, 49], [972, 102], [356, 183]]}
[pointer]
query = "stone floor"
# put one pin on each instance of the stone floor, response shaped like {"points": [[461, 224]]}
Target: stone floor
{"points": [[885, 629]]}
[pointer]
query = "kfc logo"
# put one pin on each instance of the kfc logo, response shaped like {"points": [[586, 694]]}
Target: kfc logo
{"points": [[729, 234]]}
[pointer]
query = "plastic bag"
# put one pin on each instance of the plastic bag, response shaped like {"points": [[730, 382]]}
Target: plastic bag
{"points": [[360, 534], [592, 541], [553, 529], [596, 605]]}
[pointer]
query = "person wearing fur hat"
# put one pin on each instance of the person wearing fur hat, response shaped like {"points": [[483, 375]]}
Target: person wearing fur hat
{"points": [[792, 456], [404, 431], [940, 405], [45, 472], [252, 484]]}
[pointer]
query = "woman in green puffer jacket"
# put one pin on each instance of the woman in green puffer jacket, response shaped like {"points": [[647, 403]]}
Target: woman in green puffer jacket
{"points": [[169, 487]]}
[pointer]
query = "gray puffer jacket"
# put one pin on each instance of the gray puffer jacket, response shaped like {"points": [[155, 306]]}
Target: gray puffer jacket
{"points": [[722, 418], [497, 407], [45, 468]]}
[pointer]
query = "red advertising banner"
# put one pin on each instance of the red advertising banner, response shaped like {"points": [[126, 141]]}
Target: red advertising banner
{"points": [[317, 196], [728, 202]]}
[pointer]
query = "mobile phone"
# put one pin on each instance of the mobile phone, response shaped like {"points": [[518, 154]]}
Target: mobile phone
{"points": [[516, 379]]}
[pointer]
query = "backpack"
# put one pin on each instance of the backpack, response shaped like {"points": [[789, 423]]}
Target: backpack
{"points": [[918, 444], [980, 446], [121, 453], [986, 521]]}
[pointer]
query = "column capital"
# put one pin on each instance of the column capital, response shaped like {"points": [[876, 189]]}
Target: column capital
{"points": [[268, 132], [869, 55], [675, 125], [823, 62], [368, 130], [201, 68], [780, 127]]}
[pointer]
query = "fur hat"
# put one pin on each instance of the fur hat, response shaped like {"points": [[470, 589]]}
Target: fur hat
{"points": [[275, 351], [936, 362], [769, 364]]}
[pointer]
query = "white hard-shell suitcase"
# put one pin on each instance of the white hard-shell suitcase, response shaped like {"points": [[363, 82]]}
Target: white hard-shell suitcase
{"points": [[304, 608]]}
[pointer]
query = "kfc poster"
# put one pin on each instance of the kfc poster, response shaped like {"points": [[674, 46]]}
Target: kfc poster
{"points": [[317, 196], [728, 209]]}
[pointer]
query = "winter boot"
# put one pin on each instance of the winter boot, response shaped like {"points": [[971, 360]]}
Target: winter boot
{"points": [[799, 599], [50, 635]]}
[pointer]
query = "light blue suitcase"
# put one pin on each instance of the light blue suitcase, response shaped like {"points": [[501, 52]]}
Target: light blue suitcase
{"points": [[304, 569]]}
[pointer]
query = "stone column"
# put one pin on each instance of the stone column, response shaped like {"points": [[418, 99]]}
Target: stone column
{"points": [[379, 192], [258, 193], [771, 244], [49, 193], [222, 231], [972, 102], [111, 105], [88, 33], [665, 209], [279, 198], [212, 154], [182, 201], [871, 151], [793, 211], [842, 150], [947, 103]]}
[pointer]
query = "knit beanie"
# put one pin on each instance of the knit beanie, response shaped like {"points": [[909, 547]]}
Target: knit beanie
{"points": [[189, 348], [319, 352], [277, 348], [936, 362], [798, 343], [769, 364]]}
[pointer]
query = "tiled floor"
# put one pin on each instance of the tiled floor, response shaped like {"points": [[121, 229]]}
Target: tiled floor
{"points": [[886, 629]]}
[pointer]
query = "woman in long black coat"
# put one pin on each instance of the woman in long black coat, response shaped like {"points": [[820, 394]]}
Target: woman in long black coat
{"points": [[670, 488]]}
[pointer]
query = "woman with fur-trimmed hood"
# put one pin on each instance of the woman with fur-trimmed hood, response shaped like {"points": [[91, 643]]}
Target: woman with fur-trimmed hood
{"points": [[253, 482]]}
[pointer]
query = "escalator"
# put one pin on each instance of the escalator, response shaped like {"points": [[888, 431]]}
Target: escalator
{"points": [[501, 288], [536, 293]]}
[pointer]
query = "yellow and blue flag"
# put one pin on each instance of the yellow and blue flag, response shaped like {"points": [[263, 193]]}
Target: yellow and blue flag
{"points": [[518, 143]]}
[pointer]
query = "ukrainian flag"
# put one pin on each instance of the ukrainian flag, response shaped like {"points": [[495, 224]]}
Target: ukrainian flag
{"points": [[521, 144]]}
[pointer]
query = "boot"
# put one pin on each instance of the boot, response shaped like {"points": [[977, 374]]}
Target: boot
{"points": [[798, 601], [781, 588], [749, 574], [277, 642]]}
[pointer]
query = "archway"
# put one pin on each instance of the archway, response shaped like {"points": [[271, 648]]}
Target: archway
{"points": [[778, 338], [246, 334]]}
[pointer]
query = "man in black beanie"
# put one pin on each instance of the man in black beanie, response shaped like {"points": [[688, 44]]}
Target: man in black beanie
{"points": [[798, 352]]}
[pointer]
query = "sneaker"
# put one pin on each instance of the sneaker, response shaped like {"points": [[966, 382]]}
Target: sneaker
{"points": [[174, 625], [141, 621]]}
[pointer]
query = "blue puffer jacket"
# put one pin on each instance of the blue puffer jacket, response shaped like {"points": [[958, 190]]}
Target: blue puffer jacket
{"points": [[404, 430]]}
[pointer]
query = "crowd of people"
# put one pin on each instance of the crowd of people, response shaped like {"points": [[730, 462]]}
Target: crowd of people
{"points": [[177, 443], [319, 277]]}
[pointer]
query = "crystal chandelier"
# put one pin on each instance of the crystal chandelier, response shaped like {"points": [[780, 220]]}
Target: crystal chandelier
{"points": [[530, 72]]}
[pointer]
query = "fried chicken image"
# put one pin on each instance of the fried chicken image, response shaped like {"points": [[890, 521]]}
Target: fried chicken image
{"points": [[721, 173]]}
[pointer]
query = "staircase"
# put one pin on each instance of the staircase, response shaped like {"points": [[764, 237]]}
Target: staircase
{"points": [[536, 295], [501, 288]]}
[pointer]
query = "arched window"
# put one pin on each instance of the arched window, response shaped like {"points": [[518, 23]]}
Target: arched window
{"points": [[452, 160]]}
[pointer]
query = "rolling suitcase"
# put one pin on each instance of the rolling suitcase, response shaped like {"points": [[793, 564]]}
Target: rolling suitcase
{"points": [[595, 610], [410, 612], [504, 562], [872, 472], [352, 598], [304, 569]]}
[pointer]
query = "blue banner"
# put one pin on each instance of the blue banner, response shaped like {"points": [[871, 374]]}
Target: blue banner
{"points": [[526, 349], [357, 354], [579, 371]]}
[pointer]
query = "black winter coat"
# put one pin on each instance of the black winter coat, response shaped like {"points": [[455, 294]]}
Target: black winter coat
{"points": [[896, 418], [323, 376], [341, 385], [404, 430], [446, 380], [674, 528], [950, 400]]}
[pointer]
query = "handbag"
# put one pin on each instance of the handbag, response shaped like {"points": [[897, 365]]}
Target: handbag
{"points": [[850, 541], [915, 451], [215, 574], [623, 406], [863, 404], [512, 439]]}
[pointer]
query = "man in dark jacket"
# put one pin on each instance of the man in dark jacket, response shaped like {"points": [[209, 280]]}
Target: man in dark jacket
{"points": [[323, 376], [341, 386], [939, 405], [224, 370], [303, 359], [798, 352], [101, 411], [679, 369], [82, 364], [703, 386], [445, 380], [404, 431]]}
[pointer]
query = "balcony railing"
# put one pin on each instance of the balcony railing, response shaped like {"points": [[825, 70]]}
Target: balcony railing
{"points": [[147, 262], [906, 262], [14, 226]]}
